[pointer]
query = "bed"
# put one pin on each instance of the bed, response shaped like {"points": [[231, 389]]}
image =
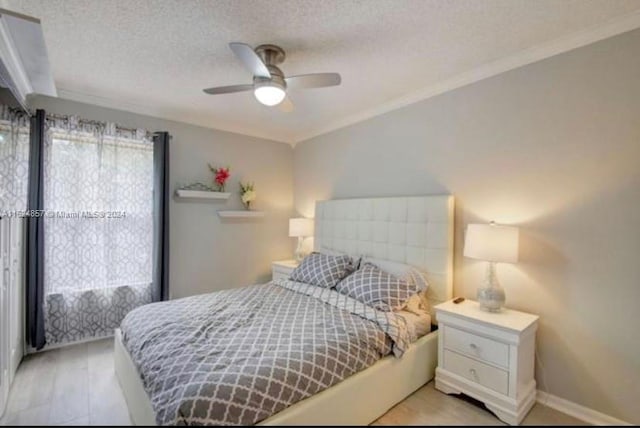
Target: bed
{"points": [[413, 230]]}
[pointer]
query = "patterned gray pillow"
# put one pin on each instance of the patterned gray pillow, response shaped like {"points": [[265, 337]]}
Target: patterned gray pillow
{"points": [[322, 270], [377, 288]]}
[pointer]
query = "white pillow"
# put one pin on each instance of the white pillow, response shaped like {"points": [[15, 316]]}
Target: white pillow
{"points": [[417, 304], [355, 261], [403, 271]]}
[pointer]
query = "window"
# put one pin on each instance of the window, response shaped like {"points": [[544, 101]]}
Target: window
{"points": [[98, 227]]}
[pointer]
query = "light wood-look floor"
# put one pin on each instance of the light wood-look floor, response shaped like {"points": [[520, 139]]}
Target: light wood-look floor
{"points": [[76, 385], [428, 406]]}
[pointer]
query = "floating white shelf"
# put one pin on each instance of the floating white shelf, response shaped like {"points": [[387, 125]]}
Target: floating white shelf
{"points": [[201, 194], [241, 214]]}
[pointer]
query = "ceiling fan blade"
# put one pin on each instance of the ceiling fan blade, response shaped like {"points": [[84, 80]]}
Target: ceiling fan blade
{"points": [[286, 105], [227, 89], [250, 59], [316, 80]]}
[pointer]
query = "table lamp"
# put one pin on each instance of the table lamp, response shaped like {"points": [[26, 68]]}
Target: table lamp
{"points": [[300, 228], [494, 244]]}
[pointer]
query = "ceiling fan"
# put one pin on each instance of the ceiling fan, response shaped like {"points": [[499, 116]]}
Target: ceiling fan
{"points": [[269, 82]]}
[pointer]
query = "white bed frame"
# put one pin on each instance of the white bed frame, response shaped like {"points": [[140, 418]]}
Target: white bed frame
{"points": [[412, 230]]}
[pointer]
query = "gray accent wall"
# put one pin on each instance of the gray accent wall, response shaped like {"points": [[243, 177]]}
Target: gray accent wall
{"points": [[206, 252], [553, 147]]}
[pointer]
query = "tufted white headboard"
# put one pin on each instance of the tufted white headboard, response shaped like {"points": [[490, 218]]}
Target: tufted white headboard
{"points": [[414, 230]]}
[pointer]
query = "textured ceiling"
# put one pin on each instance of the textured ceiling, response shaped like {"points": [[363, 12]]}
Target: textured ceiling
{"points": [[156, 56]]}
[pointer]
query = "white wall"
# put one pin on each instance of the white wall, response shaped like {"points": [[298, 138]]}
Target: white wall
{"points": [[553, 147], [207, 253]]}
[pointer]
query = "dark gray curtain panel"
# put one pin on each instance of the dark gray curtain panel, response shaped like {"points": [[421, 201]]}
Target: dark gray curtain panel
{"points": [[35, 235], [161, 199]]}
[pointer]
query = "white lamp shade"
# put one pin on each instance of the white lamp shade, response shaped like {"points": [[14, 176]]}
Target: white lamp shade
{"points": [[300, 227], [492, 243]]}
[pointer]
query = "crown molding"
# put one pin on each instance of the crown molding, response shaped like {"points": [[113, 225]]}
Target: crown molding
{"points": [[162, 113], [611, 28]]}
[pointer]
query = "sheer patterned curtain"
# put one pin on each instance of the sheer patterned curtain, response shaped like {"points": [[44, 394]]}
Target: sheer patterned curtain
{"points": [[14, 160], [98, 226]]}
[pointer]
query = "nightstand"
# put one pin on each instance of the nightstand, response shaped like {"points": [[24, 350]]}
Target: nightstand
{"points": [[488, 356], [283, 269]]}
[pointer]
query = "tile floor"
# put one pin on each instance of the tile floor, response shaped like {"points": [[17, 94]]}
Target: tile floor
{"points": [[75, 385]]}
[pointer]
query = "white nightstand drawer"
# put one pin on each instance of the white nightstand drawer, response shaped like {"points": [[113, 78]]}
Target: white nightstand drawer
{"points": [[475, 346], [280, 274], [475, 371]]}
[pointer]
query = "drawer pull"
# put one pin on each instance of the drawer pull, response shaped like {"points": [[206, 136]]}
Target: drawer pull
{"points": [[473, 346]]}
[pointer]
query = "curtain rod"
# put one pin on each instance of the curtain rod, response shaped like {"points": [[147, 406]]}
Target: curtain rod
{"points": [[94, 122]]}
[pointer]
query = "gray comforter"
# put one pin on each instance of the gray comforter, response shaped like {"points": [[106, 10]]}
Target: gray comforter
{"points": [[236, 357]]}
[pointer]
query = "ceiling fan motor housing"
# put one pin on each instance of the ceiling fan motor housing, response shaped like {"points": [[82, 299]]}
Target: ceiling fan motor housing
{"points": [[277, 78], [270, 54]]}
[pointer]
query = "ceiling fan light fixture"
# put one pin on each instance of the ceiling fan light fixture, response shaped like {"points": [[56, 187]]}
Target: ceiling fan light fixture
{"points": [[269, 82], [269, 95]]}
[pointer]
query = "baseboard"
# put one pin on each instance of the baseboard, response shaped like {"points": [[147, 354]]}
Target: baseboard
{"points": [[583, 413], [31, 350]]}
